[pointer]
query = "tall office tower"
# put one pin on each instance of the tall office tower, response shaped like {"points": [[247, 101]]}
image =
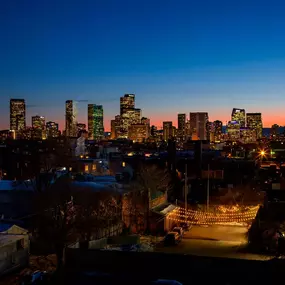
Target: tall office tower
{"points": [[218, 127], [80, 127], [17, 115], [95, 122], [52, 129], [138, 132], [254, 121], [274, 131], [127, 102], [128, 118], [238, 115], [167, 130], [145, 121], [181, 130], [210, 131], [198, 125], [247, 135], [70, 119], [187, 130], [38, 128], [233, 129]]}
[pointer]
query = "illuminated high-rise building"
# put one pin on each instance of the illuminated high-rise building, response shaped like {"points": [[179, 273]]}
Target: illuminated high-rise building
{"points": [[238, 115], [218, 127], [181, 130], [247, 135], [95, 122], [52, 129], [127, 102], [274, 132], [139, 132], [70, 119], [254, 121], [167, 130], [17, 115], [198, 125], [233, 130], [128, 118], [38, 128], [115, 127], [80, 127]]}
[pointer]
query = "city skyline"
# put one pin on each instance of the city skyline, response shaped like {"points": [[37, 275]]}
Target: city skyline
{"points": [[177, 57], [84, 121]]}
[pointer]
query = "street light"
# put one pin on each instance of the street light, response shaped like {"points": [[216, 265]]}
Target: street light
{"points": [[262, 153]]}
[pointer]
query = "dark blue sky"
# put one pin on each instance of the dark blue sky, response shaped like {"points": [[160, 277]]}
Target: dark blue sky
{"points": [[177, 56]]}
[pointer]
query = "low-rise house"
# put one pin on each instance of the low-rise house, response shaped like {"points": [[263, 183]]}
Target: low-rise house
{"points": [[14, 248]]}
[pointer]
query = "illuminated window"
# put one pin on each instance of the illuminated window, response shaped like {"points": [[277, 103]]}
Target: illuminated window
{"points": [[86, 167], [94, 167]]}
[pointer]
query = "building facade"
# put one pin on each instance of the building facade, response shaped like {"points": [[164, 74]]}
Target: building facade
{"points": [[181, 126], [233, 130], [127, 102], [198, 125], [95, 122], [167, 130], [218, 128], [70, 119], [238, 115], [52, 129], [139, 132], [38, 128], [17, 115], [254, 121]]}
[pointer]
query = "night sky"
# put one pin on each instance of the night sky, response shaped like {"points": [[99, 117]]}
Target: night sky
{"points": [[176, 56]]}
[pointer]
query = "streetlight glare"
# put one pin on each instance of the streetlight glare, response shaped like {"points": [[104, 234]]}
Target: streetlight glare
{"points": [[262, 152]]}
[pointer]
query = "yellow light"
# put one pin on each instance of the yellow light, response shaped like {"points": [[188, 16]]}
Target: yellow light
{"points": [[87, 156], [262, 153], [86, 167], [81, 156], [123, 164]]}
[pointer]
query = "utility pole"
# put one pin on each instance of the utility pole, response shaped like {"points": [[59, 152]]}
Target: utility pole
{"points": [[208, 188]]}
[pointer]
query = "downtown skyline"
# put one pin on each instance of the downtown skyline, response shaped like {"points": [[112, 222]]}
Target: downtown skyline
{"points": [[177, 57]]}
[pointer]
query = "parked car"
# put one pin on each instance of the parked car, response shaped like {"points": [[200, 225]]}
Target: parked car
{"points": [[172, 238], [178, 230]]}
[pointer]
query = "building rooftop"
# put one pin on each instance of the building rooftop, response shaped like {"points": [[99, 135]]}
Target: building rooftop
{"points": [[9, 185], [6, 239]]}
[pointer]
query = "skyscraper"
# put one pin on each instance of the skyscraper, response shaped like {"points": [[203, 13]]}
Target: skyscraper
{"points": [[181, 130], [52, 129], [233, 129], [198, 125], [38, 127], [127, 102], [254, 121], [238, 115], [70, 119], [218, 125], [17, 115], [95, 122], [167, 130]]}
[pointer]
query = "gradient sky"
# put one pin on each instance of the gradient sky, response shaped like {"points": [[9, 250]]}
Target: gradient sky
{"points": [[176, 56]]}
